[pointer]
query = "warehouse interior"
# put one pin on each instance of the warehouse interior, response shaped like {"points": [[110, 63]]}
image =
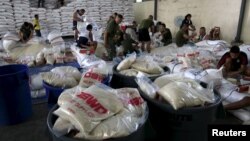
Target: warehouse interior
{"points": [[123, 70]]}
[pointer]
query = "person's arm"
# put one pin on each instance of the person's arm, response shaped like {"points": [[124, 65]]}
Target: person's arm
{"points": [[76, 18], [206, 37], [31, 35], [222, 61], [240, 71], [91, 36], [21, 36], [189, 37], [106, 36], [192, 26]]}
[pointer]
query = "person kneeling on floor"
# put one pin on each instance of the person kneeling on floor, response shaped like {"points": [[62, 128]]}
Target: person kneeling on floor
{"points": [[129, 44], [26, 32], [86, 39], [234, 62]]}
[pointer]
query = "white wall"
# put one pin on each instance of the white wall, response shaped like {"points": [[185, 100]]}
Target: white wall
{"points": [[245, 35], [143, 9], [207, 13]]}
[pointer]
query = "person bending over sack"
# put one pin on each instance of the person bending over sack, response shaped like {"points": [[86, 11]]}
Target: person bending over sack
{"points": [[166, 35], [129, 45], [234, 62], [26, 32], [86, 38], [182, 37]]}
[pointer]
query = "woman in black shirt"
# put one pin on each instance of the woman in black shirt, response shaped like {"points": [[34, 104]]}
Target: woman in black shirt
{"points": [[188, 21]]}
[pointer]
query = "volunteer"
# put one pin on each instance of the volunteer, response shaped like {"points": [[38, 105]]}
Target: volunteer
{"points": [[182, 37], [214, 33], [77, 17], [129, 45], [188, 21], [111, 36], [39, 2], [37, 26], [86, 38], [26, 32], [234, 62], [166, 34], [144, 37], [203, 35]]}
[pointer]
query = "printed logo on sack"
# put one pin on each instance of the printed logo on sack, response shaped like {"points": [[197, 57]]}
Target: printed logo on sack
{"points": [[94, 76], [91, 101], [136, 101]]}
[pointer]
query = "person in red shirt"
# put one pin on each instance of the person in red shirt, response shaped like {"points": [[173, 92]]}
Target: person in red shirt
{"points": [[234, 62]]}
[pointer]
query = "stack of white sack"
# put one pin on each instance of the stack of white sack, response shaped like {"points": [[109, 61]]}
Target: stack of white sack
{"points": [[93, 14], [10, 41], [21, 12], [53, 20], [118, 112], [41, 12], [51, 4], [118, 6], [36, 86], [245, 48], [34, 3], [178, 91], [178, 60], [63, 77], [66, 20], [131, 66], [208, 76], [96, 73], [7, 22], [128, 11], [218, 47], [229, 93], [106, 11], [58, 45]]}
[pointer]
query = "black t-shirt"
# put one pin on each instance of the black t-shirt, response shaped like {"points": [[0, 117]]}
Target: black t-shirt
{"points": [[236, 63], [186, 21]]}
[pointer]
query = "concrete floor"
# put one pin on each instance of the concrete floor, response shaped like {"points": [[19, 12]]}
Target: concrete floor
{"points": [[35, 129]]}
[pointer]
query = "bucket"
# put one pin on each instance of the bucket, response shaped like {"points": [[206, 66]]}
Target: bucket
{"points": [[15, 98], [51, 119], [52, 93], [120, 81], [189, 124]]}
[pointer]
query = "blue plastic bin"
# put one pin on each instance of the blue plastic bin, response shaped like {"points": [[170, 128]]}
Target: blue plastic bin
{"points": [[15, 99], [52, 93]]}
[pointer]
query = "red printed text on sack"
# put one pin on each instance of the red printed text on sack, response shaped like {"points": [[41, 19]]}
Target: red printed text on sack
{"points": [[93, 103]]}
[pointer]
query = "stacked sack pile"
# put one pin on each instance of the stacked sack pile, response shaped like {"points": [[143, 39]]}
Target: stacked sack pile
{"points": [[53, 20], [66, 19], [128, 11], [50, 4], [106, 11], [94, 12], [41, 12], [6, 17], [21, 12], [33, 3], [36, 86]]}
